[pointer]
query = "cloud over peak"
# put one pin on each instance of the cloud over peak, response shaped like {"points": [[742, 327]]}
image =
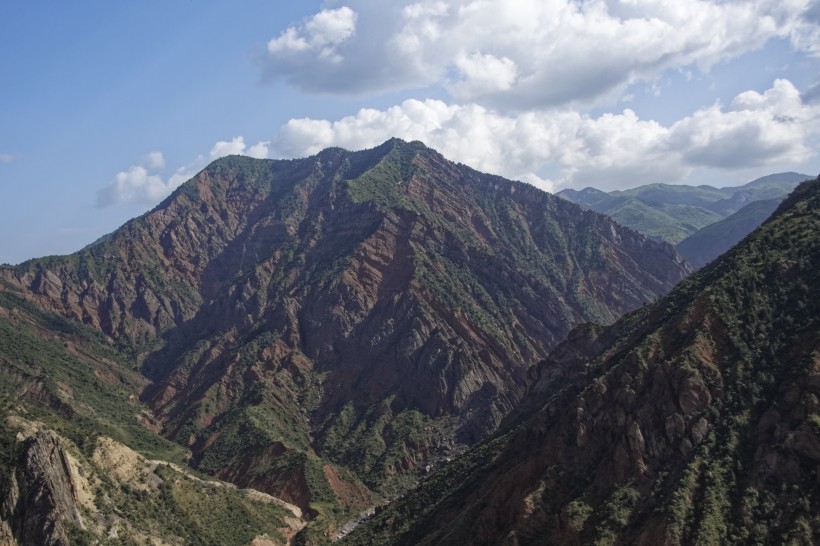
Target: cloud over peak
{"points": [[143, 183], [610, 151]]}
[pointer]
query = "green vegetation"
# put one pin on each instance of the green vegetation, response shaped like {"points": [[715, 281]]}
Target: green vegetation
{"points": [[662, 223], [184, 509], [614, 516], [380, 446], [9, 447], [72, 379]]}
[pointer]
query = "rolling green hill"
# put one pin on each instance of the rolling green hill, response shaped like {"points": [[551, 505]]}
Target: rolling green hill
{"points": [[671, 213]]}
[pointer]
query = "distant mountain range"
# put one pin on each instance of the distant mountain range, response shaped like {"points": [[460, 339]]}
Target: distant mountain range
{"points": [[674, 213], [694, 420], [324, 330]]}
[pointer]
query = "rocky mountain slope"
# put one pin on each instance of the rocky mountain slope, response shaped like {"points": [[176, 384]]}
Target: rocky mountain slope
{"points": [[673, 212], [68, 414], [323, 329], [695, 420]]}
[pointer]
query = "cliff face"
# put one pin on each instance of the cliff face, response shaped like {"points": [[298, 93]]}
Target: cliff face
{"points": [[376, 309], [41, 500], [693, 420]]}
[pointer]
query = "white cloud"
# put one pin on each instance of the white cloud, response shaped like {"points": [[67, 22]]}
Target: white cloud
{"points": [[259, 150], [141, 183], [236, 146], [134, 185], [757, 129], [154, 161], [483, 74], [526, 54], [317, 39], [608, 151], [805, 35]]}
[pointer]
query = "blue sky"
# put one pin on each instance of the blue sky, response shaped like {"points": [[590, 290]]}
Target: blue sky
{"points": [[106, 107]]}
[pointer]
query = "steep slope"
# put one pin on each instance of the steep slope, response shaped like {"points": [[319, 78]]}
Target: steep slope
{"points": [[708, 243], [65, 394], [695, 420], [673, 212], [348, 311]]}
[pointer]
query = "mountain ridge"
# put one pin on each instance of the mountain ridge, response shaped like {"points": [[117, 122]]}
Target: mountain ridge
{"points": [[690, 420]]}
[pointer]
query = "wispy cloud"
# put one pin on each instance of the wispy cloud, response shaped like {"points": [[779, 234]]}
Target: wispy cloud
{"points": [[7, 157]]}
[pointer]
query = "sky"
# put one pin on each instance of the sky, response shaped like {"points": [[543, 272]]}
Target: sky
{"points": [[106, 107]]}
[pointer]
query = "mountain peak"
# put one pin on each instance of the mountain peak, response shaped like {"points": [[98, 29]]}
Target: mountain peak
{"points": [[378, 310]]}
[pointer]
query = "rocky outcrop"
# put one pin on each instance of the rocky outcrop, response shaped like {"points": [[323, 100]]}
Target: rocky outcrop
{"points": [[116, 494], [41, 503]]}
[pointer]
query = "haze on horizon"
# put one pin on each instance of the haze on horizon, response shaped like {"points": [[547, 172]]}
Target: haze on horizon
{"points": [[107, 108]]}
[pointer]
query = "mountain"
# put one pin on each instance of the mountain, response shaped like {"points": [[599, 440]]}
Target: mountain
{"points": [[693, 420], [324, 329], [709, 242], [673, 212]]}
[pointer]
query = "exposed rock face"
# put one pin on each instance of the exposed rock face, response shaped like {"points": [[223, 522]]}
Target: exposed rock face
{"points": [[116, 495], [694, 420], [367, 307], [42, 498]]}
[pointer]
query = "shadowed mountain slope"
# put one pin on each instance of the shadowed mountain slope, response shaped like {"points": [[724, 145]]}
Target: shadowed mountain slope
{"points": [[695, 420], [709, 242]]}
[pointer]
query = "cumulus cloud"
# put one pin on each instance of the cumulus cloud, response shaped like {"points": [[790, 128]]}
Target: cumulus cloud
{"points": [[154, 160], [224, 147], [527, 54], [260, 150], [143, 183], [319, 39], [236, 146], [608, 151], [757, 129], [136, 184]]}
